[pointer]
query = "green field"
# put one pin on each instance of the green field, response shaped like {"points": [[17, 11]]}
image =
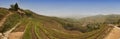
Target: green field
{"points": [[36, 26]]}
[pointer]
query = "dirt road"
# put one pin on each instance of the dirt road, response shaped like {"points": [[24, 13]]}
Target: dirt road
{"points": [[15, 35], [114, 34], [6, 34]]}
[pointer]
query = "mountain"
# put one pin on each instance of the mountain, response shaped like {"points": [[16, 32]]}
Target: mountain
{"points": [[17, 23]]}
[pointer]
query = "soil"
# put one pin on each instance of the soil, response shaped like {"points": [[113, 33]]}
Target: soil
{"points": [[114, 34], [15, 35], [20, 28]]}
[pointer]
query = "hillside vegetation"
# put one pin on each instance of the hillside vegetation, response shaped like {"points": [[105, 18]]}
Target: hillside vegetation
{"points": [[34, 26]]}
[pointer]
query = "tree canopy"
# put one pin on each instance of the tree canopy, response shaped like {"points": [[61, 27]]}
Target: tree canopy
{"points": [[14, 7]]}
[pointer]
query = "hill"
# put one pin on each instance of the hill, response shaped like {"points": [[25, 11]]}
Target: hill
{"points": [[17, 23]]}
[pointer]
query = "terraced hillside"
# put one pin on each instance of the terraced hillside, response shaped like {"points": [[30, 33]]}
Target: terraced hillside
{"points": [[16, 23]]}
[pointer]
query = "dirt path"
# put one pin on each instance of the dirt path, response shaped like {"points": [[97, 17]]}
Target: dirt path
{"points": [[15, 35], [6, 34], [4, 19], [114, 34]]}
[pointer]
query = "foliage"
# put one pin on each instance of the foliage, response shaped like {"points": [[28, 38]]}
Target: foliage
{"points": [[28, 13], [14, 7]]}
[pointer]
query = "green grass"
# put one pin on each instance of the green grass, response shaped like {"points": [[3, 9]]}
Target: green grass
{"points": [[11, 21], [3, 12], [37, 32], [27, 34]]}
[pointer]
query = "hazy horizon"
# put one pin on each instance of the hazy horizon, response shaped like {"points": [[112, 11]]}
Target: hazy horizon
{"points": [[67, 7]]}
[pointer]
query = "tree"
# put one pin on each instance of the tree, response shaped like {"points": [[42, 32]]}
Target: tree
{"points": [[14, 7]]}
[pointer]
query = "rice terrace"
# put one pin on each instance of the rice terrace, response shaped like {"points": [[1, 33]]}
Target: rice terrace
{"points": [[59, 19]]}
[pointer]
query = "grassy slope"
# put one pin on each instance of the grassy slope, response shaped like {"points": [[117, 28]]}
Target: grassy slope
{"points": [[59, 34], [44, 27], [3, 12]]}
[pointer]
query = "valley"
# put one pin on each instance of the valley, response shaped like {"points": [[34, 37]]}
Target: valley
{"points": [[17, 23]]}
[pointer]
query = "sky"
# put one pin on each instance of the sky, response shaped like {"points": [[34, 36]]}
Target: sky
{"points": [[67, 7]]}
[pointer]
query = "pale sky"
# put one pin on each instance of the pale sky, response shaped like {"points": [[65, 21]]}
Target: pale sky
{"points": [[67, 7]]}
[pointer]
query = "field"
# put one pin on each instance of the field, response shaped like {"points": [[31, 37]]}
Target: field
{"points": [[34, 26]]}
